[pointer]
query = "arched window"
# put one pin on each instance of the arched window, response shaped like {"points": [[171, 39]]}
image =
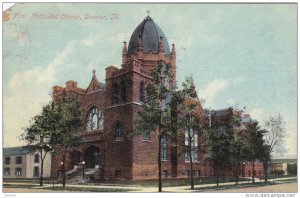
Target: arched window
{"points": [[146, 135], [194, 146], [119, 131], [95, 119], [142, 92], [123, 91], [163, 148]]}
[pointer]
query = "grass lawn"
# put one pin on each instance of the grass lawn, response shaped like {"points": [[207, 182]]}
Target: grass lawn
{"points": [[88, 189], [172, 182], [67, 188], [244, 185], [20, 185]]}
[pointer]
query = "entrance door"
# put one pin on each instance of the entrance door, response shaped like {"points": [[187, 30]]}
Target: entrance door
{"points": [[75, 157], [92, 156]]}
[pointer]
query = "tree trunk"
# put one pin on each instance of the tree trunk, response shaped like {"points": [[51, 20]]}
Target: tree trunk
{"points": [[159, 162], [42, 164], [205, 167], [63, 168], [253, 181], [266, 170], [191, 164], [218, 174], [42, 172], [237, 174]]}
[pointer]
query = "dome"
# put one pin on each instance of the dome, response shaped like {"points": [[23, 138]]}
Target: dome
{"points": [[151, 34]]}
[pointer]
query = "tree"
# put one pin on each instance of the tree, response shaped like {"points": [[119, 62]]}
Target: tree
{"points": [[254, 135], [292, 169], [274, 139], [238, 150], [189, 114], [217, 148], [218, 139], [38, 135], [155, 113], [66, 128]]}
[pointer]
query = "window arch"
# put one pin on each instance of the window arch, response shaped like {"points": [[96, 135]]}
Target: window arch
{"points": [[119, 131], [95, 119], [146, 135], [193, 146], [142, 92], [115, 93], [123, 91]]}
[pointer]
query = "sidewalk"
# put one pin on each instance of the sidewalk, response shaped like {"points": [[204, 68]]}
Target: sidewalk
{"points": [[138, 188]]}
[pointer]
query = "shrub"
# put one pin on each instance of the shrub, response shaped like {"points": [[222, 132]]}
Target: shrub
{"points": [[277, 172], [292, 169]]}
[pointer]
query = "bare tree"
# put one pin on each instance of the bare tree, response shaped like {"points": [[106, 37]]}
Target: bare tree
{"points": [[274, 138]]}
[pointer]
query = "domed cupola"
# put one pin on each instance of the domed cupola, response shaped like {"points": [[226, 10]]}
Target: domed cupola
{"points": [[149, 35]]}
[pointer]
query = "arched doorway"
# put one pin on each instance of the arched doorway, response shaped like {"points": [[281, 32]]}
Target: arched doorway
{"points": [[92, 156], [75, 157]]}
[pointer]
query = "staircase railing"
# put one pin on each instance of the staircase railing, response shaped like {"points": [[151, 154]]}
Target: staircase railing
{"points": [[73, 172]]}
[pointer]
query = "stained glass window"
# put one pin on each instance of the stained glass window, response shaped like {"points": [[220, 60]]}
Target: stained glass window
{"points": [[95, 119]]}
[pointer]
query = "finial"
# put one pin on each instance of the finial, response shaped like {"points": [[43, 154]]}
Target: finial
{"points": [[125, 47], [94, 71], [148, 11], [173, 46]]}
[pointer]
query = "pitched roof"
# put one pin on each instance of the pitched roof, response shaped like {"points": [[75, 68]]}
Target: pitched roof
{"points": [[219, 112], [21, 150]]}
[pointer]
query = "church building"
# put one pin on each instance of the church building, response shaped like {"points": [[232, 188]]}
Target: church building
{"points": [[109, 109]]}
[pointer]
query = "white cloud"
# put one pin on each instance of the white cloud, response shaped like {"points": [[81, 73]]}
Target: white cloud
{"points": [[212, 90], [123, 36], [29, 90], [231, 102], [87, 42], [259, 115]]}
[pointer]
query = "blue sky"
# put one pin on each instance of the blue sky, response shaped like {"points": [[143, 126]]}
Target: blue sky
{"points": [[243, 54]]}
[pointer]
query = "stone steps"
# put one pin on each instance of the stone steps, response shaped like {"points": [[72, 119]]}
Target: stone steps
{"points": [[78, 177]]}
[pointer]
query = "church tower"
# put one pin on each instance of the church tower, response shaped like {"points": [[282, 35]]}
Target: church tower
{"points": [[135, 158]]}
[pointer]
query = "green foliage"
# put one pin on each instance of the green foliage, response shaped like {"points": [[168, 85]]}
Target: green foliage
{"points": [[255, 142], [217, 144], [292, 169], [238, 149], [68, 120], [188, 117], [39, 135], [277, 172], [155, 113], [56, 128], [156, 110], [57, 124]]}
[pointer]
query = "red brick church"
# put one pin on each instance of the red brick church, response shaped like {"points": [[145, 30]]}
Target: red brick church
{"points": [[109, 109]]}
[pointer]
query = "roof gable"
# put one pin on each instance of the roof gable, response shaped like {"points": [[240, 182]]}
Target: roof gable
{"points": [[94, 84]]}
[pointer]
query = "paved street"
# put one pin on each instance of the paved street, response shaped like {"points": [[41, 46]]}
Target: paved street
{"points": [[279, 188]]}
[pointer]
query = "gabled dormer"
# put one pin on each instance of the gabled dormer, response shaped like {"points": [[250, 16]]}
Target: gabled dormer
{"points": [[95, 85]]}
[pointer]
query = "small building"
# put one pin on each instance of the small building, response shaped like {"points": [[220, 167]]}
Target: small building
{"points": [[281, 164], [21, 162]]}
